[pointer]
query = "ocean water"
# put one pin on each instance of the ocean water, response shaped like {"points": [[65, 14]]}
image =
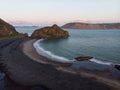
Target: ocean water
{"points": [[26, 29], [103, 45]]}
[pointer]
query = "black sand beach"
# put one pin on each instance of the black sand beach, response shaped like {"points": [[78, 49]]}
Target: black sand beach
{"points": [[25, 70]]}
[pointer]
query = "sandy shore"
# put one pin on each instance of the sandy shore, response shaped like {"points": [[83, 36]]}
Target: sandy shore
{"points": [[31, 52], [26, 67]]}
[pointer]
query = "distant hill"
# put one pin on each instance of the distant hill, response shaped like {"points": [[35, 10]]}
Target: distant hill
{"points": [[8, 31], [92, 26]]}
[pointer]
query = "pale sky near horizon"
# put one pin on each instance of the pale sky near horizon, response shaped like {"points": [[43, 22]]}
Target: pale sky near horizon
{"points": [[46, 12]]}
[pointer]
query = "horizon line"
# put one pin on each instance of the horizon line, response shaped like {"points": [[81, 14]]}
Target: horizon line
{"points": [[43, 24]]}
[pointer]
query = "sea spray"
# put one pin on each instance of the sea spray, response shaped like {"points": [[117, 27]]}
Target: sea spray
{"points": [[100, 62]]}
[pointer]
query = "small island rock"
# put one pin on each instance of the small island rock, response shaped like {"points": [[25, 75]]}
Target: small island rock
{"points": [[50, 32], [83, 58]]}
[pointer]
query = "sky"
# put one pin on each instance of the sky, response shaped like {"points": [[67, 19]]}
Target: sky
{"points": [[47, 12]]}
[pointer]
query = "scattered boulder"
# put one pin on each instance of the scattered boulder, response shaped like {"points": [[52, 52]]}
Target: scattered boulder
{"points": [[117, 66], [84, 58], [50, 32]]}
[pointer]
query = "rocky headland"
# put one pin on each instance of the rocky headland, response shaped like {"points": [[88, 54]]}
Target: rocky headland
{"points": [[8, 31], [78, 25], [50, 32]]}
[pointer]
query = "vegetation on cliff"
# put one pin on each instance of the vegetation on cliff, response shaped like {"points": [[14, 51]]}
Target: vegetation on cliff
{"points": [[8, 31], [50, 32]]}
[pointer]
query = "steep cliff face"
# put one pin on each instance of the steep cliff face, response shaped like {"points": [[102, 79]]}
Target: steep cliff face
{"points": [[92, 26], [7, 30], [50, 32]]}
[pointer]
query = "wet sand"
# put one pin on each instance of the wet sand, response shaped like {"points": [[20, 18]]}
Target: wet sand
{"points": [[25, 67]]}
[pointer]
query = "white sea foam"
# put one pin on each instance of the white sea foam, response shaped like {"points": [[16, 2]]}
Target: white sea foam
{"points": [[100, 62], [49, 54]]}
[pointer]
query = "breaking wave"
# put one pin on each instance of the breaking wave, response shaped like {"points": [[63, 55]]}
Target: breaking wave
{"points": [[101, 62], [49, 54]]}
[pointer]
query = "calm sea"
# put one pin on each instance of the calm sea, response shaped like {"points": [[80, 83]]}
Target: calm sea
{"points": [[26, 29], [103, 45]]}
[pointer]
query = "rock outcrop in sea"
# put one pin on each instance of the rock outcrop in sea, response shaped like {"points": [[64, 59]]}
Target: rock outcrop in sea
{"points": [[7, 30], [78, 25], [83, 58], [50, 32]]}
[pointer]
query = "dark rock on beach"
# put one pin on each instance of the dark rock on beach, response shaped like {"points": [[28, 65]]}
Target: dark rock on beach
{"points": [[2, 77], [83, 58], [50, 32], [117, 67]]}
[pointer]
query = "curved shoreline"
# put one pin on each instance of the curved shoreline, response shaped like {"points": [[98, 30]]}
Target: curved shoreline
{"points": [[59, 59], [44, 60], [31, 52], [55, 58], [24, 70]]}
